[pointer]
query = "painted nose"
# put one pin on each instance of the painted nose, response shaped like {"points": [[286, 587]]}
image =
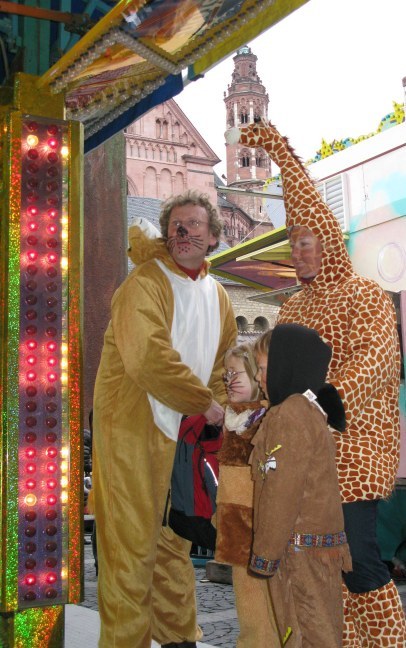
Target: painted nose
{"points": [[182, 231]]}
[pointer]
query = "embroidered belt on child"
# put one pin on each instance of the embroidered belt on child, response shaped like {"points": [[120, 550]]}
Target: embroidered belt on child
{"points": [[318, 539]]}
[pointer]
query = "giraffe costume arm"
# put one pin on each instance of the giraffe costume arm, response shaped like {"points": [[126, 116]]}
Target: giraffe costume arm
{"points": [[304, 204]]}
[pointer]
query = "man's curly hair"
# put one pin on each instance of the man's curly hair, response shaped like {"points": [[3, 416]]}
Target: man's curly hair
{"points": [[192, 197]]}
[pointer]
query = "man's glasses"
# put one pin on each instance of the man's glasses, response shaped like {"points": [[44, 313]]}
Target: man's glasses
{"points": [[191, 224], [229, 375]]}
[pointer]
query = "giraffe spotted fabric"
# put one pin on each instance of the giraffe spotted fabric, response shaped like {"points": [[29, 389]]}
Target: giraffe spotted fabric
{"points": [[356, 317]]}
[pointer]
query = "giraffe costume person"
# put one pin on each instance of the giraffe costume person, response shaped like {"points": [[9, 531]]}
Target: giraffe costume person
{"points": [[355, 316]]}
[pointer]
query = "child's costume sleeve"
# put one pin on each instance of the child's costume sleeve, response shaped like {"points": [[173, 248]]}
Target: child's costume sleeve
{"points": [[280, 463]]}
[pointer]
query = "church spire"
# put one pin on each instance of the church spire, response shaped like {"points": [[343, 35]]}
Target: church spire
{"points": [[246, 99]]}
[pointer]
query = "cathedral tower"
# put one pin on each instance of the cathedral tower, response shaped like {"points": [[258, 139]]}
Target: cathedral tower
{"points": [[246, 99]]}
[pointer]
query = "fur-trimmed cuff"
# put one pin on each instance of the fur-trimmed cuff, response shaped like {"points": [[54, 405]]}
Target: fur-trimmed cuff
{"points": [[330, 401], [263, 566]]}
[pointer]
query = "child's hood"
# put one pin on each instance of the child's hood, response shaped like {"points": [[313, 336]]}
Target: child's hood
{"points": [[298, 360]]}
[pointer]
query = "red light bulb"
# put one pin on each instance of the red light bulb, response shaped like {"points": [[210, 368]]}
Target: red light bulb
{"points": [[52, 483], [31, 344], [32, 226], [52, 257], [51, 578], [52, 467], [31, 375], [30, 468], [32, 255], [51, 452], [52, 228], [30, 453], [51, 346], [33, 210], [52, 143], [52, 500], [30, 484], [52, 361], [30, 579], [31, 360], [52, 376], [52, 213]]}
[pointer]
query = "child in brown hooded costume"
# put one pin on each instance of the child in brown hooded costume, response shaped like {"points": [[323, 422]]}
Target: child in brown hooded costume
{"points": [[243, 416], [299, 537]]}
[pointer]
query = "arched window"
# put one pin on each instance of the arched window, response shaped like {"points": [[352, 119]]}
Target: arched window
{"points": [[242, 323], [179, 183], [158, 128], [261, 324], [165, 184], [244, 118], [165, 129], [150, 183], [245, 160]]}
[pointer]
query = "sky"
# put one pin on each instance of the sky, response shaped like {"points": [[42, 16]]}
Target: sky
{"points": [[332, 69]]}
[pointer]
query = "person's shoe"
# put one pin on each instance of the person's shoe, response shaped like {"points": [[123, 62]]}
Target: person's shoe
{"points": [[183, 644]]}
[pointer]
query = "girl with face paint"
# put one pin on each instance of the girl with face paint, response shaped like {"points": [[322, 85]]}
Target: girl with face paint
{"points": [[243, 416]]}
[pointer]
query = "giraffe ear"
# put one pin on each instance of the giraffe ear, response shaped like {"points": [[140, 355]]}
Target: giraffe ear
{"points": [[232, 136]]}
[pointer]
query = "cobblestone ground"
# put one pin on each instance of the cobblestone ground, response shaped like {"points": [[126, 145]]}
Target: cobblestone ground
{"points": [[216, 609]]}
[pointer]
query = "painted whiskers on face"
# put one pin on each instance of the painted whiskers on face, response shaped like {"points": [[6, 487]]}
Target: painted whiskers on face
{"points": [[234, 385], [187, 239]]}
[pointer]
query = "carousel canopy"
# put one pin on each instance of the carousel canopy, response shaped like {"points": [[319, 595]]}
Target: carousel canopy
{"points": [[137, 55]]}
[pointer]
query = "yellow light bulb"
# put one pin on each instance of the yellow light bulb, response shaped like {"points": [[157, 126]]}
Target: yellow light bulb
{"points": [[30, 500], [64, 466], [64, 348], [64, 151], [64, 263], [32, 140], [64, 451], [64, 497], [64, 482]]}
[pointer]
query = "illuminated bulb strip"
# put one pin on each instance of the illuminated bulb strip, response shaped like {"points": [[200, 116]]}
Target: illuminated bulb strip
{"points": [[145, 52], [148, 88], [81, 63], [125, 93]]}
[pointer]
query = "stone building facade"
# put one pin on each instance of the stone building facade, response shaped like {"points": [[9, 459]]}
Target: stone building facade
{"points": [[252, 317], [166, 155]]}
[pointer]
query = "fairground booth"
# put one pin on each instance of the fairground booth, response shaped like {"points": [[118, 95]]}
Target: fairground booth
{"points": [[74, 73]]}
